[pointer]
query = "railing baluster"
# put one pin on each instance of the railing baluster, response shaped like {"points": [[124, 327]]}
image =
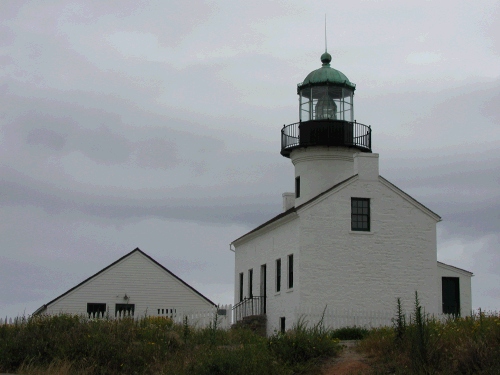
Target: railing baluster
{"points": [[249, 306]]}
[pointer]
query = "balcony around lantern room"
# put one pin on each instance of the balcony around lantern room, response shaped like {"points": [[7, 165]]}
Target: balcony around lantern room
{"points": [[326, 119], [325, 133]]}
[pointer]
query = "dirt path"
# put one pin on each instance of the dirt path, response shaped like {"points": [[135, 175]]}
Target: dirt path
{"points": [[350, 362]]}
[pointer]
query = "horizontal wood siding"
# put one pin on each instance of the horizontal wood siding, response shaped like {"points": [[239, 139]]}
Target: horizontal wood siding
{"points": [[148, 286]]}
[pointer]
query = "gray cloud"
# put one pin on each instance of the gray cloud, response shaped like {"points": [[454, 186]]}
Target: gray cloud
{"points": [[23, 282], [143, 124]]}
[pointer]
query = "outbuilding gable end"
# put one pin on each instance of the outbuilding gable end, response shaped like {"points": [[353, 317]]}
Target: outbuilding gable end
{"points": [[115, 263]]}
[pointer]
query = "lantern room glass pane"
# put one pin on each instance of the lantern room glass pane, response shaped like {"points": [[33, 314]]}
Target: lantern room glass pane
{"points": [[326, 103], [305, 104]]}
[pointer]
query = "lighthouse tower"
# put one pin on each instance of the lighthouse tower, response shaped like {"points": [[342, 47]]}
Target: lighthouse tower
{"points": [[325, 141]]}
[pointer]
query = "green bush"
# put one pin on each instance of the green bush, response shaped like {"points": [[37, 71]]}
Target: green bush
{"points": [[349, 333]]}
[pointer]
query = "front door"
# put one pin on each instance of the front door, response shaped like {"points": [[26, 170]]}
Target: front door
{"points": [[451, 295]]}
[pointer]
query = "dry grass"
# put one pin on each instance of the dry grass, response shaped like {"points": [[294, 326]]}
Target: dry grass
{"points": [[67, 344], [469, 345]]}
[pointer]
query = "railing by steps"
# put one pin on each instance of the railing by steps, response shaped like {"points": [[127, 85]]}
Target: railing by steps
{"points": [[255, 305]]}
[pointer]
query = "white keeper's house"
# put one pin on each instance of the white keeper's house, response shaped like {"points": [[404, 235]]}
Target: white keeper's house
{"points": [[347, 239], [134, 285]]}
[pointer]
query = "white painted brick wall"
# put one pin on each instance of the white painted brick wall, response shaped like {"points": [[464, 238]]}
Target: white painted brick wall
{"points": [[334, 266], [367, 270], [320, 168], [265, 249]]}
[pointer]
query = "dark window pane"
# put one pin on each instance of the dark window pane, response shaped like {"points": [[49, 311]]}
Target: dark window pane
{"points": [[96, 310], [124, 309], [360, 214]]}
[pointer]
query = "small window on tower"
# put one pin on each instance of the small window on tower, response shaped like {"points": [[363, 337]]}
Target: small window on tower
{"points": [[360, 214], [297, 187]]}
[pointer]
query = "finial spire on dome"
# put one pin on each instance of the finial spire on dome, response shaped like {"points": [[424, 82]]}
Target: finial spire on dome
{"points": [[326, 50], [326, 57]]}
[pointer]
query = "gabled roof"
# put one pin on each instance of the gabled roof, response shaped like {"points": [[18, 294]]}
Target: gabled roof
{"points": [[444, 265], [40, 309], [294, 209], [347, 180]]}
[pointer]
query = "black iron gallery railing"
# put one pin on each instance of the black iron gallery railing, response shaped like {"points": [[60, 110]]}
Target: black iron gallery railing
{"points": [[325, 133], [255, 305]]}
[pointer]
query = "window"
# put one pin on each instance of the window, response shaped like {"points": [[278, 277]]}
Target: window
{"points": [[290, 271], [297, 187], [282, 324], [96, 310], [241, 286], [263, 285], [360, 214], [124, 309], [250, 283], [278, 275], [165, 312]]}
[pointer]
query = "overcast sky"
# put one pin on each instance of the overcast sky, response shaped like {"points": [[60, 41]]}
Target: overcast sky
{"points": [[156, 125]]}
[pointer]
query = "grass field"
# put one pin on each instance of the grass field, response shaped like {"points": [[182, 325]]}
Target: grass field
{"points": [[67, 344]]}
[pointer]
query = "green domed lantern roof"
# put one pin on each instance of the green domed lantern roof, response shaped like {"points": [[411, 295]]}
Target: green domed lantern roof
{"points": [[326, 75]]}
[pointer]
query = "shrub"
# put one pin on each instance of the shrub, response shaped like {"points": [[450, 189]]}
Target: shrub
{"points": [[68, 344], [302, 346], [349, 333], [468, 345]]}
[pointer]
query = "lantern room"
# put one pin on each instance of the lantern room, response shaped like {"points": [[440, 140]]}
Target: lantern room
{"points": [[326, 113], [326, 93]]}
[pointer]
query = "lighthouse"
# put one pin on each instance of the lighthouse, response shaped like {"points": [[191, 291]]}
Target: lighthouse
{"points": [[348, 243]]}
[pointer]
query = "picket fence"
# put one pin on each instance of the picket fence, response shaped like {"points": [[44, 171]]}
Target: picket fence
{"points": [[221, 316], [336, 318]]}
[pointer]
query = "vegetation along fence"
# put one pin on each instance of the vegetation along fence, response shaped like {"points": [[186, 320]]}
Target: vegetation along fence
{"points": [[200, 319]]}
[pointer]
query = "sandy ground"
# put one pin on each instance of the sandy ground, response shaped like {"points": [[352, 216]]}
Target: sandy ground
{"points": [[349, 362]]}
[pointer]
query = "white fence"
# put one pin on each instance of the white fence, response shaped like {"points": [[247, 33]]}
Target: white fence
{"points": [[335, 318], [221, 316]]}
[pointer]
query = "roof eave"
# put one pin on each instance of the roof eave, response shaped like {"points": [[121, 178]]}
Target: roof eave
{"points": [[280, 218], [410, 199], [456, 269]]}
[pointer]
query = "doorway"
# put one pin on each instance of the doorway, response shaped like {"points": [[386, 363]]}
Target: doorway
{"points": [[451, 295]]}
